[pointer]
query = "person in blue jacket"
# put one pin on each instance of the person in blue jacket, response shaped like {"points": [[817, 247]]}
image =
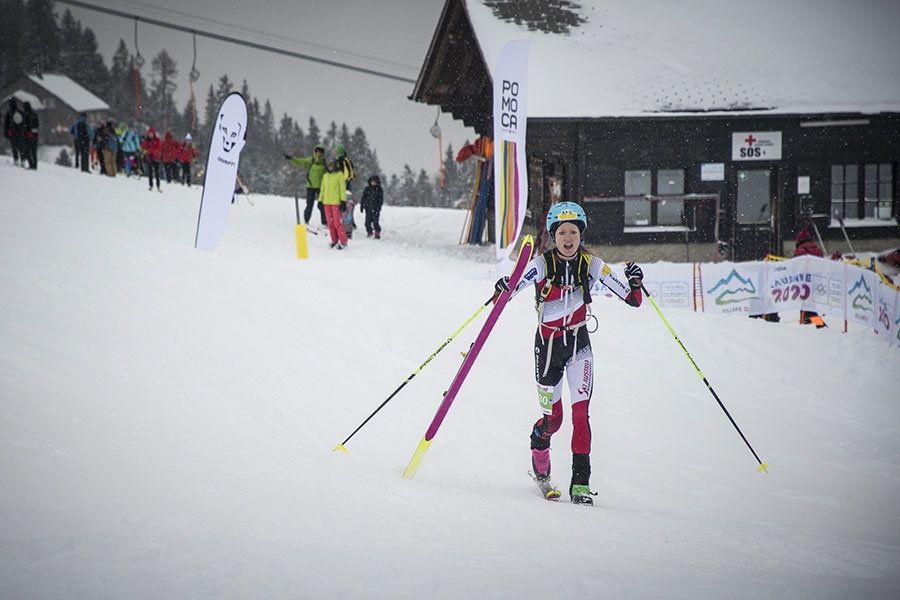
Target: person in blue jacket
{"points": [[131, 145]]}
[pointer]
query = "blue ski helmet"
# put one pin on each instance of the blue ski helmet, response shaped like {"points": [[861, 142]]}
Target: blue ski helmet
{"points": [[565, 212]]}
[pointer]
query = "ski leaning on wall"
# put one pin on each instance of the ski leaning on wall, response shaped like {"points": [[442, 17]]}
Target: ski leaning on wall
{"points": [[469, 360], [228, 138]]}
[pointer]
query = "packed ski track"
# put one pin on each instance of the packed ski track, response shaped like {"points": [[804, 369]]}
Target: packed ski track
{"points": [[169, 416]]}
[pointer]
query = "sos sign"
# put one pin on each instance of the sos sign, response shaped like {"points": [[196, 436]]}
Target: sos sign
{"points": [[756, 145]]}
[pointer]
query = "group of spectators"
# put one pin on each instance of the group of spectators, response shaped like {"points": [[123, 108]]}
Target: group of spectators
{"points": [[122, 148], [328, 185], [108, 147]]}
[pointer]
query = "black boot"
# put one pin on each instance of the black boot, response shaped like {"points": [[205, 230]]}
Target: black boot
{"points": [[579, 488]]}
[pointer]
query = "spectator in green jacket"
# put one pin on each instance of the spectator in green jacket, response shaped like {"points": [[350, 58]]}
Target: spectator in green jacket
{"points": [[316, 166]]}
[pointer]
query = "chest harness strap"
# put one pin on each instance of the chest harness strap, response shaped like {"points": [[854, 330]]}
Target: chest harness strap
{"points": [[567, 282]]}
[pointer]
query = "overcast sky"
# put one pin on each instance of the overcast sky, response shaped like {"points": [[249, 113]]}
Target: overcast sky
{"points": [[383, 35]]}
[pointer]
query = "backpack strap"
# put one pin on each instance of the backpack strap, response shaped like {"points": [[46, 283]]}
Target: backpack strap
{"points": [[541, 292], [581, 277], [584, 266]]}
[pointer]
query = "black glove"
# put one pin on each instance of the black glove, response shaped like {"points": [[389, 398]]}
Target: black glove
{"points": [[502, 285], [288, 156], [634, 275]]}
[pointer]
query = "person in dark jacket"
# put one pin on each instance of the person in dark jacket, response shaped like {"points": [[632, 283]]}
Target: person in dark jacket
{"points": [[807, 246], [32, 127], [14, 130], [372, 200], [111, 149], [82, 142], [100, 142]]}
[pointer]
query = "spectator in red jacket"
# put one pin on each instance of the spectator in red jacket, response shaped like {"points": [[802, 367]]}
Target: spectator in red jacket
{"points": [[170, 150], [807, 246], [152, 149], [186, 156]]}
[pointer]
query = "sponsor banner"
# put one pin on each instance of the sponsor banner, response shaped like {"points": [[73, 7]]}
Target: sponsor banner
{"points": [[510, 168], [885, 307], [805, 283], [225, 145], [830, 288], [671, 286], [895, 322], [734, 288], [859, 296]]}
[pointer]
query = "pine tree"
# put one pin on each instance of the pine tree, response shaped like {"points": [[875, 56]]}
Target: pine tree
{"points": [[365, 162], [12, 40], [122, 94], [391, 189], [406, 190], [95, 73], [331, 140], [70, 42], [314, 135], [290, 141], [424, 190], [458, 179], [161, 102], [41, 44]]}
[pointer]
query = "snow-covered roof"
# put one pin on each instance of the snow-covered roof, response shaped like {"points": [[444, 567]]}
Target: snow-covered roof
{"points": [[699, 56], [22, 97], [69, 92]]}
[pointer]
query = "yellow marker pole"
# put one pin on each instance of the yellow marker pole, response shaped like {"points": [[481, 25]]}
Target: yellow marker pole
{"points": [[300, 233]]}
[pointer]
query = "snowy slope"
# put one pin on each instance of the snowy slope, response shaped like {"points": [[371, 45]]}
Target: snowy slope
{"points": [[167, 420]]}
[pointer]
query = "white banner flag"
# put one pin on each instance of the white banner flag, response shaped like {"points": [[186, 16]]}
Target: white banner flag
{"points": [[510, 161], [228, 139]]}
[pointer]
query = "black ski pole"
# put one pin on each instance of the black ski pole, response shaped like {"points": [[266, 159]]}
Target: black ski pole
{"points": [[414, 373], [762, 466]]}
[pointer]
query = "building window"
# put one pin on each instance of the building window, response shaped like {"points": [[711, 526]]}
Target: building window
{"points": [[670, 182], [844, 192], [878, 197], [637, 212], [642, 208], [876, 185]]}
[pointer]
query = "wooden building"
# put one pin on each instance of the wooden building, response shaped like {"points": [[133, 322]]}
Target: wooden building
{"points": [[59, 102], [676, 136]]}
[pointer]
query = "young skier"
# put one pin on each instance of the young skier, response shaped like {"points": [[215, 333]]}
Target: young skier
{"points": [[563, 278], [372, 200]]}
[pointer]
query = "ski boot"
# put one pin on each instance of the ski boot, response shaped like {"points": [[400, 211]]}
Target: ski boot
{"points": [[581, 494], [540, 462], [580, 489]]}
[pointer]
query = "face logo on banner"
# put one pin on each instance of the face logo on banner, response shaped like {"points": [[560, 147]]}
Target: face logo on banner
{"points": [[230, 131]]}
